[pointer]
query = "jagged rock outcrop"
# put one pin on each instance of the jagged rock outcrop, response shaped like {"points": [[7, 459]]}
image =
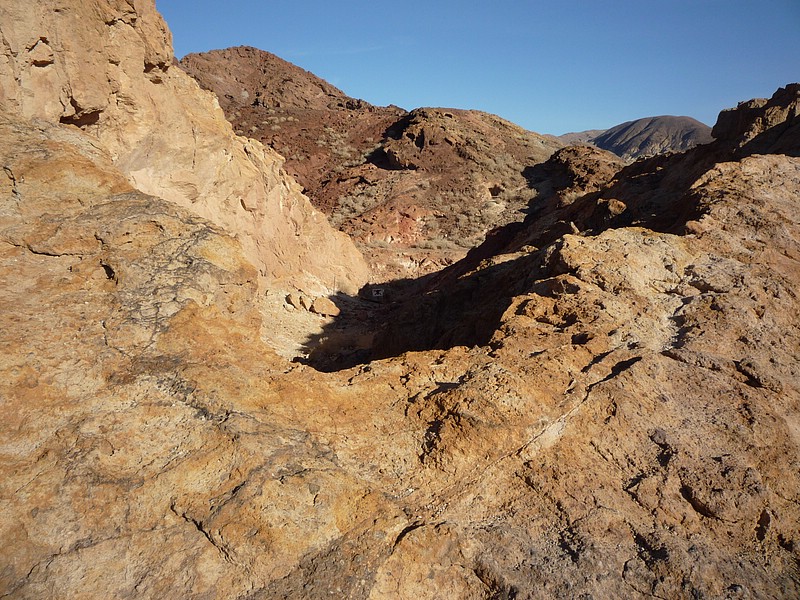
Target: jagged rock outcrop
{"points": [[646, 137], [763, 125], [106, 67], [415, 190], [697, 277], [609, 413], [622, 433], [574, 171]]}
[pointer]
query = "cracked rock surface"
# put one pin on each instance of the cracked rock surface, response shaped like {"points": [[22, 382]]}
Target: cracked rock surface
{"points": [[608, 413], [106, 67]]}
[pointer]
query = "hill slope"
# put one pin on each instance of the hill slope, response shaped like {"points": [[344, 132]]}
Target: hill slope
{"points": [[245, 76], [653, 135], [414, 190], [645, 137]]}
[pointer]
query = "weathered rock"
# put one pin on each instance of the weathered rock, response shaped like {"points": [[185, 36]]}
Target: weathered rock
{"points": [[414, 190], [293, 300], [622, 376], [324, 307], [139, 405], [775, 122], [574, 171], [611, 414], [106, 67]]}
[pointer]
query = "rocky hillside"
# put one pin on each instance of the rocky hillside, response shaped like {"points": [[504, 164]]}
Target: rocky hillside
{"points": [[246, 76], [601, 401], [114, 81], [414, 190], [579, 138], [584, 192], [645, 137]]}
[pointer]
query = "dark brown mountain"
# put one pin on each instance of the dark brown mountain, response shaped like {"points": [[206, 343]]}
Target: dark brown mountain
{"points": [[252, 77], [645, 137], [577, 138], [415, 189]]}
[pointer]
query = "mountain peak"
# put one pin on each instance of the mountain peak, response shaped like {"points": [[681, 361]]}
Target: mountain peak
{"points": [[647, 136], [245, 75]]}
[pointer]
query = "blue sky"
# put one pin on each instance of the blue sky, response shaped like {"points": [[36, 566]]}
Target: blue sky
{"points": [[552, 67]]}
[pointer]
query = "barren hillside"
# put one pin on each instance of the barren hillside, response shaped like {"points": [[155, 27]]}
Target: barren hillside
{"points": [[414, 190], [645, 137]]}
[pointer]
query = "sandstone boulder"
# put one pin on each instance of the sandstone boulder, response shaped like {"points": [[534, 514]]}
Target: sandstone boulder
{"points": [[324, 307]]}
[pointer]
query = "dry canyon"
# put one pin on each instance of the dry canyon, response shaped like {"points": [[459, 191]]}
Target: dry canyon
{"points": [[339, 350]]}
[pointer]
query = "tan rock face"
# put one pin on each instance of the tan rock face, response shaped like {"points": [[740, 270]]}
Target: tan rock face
{"points": [[625, 425], [106, 68], [775, 122]]}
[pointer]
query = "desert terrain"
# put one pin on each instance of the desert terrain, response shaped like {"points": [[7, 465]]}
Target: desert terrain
{"points": [[593, 392]]}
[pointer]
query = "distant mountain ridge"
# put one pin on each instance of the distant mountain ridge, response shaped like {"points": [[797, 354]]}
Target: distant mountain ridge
{"points": [[645, 137], [576, 138]]}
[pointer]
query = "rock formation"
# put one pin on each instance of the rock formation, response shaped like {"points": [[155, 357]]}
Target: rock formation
{"points": [[645, 137], [245, 76], [414, 190], [763, 126], [106, 68], [603, 400]]}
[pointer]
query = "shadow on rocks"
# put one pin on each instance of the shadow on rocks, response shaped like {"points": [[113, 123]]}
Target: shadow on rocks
{"points": [[463, 304], [437, 312]]}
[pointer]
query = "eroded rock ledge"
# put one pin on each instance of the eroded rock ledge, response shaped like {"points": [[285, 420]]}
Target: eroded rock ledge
{"points": [[106, 68]]}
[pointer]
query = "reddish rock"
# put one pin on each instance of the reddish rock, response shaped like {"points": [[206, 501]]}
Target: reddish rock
{"points": [[414, 190]]}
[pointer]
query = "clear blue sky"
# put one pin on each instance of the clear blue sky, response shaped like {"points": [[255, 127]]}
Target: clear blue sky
{"points": [[552, 67]]}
